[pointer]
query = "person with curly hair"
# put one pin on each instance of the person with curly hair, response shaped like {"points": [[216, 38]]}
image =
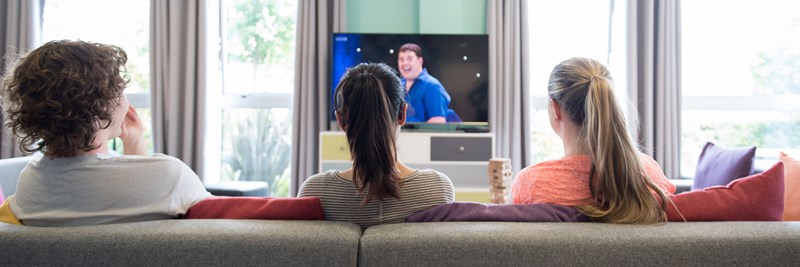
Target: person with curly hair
{"points": [[65, 99]]}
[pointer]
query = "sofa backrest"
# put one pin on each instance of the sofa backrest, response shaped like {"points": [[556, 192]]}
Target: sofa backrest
{"points": [[582, 244], [183, 243], [9, 173]]}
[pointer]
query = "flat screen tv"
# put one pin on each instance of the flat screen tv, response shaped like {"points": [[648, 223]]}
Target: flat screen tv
{"points": [[459, 61]]}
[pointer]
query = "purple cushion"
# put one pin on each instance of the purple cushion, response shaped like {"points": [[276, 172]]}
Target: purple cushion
{"points": [[472, 211], [719, 166]]}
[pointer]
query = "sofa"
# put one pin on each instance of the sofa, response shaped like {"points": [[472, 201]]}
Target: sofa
{"points": [[238, 242]]}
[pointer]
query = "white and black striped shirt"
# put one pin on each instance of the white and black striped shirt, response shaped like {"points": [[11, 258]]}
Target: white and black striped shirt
{"points": [[341, 200]]}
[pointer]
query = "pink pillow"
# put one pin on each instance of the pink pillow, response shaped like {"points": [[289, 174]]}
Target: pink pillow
{"points": [[758, 197], [2, 198], [791, 179], [267, 208]]}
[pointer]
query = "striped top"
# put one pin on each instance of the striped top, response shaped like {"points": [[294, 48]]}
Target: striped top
{"points": [[342, 202]]}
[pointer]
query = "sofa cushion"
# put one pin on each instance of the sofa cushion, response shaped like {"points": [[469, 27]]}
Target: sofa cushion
{"points": [[758, 197], [268, 208], [791, 179], [719, 165], [471, 211]]}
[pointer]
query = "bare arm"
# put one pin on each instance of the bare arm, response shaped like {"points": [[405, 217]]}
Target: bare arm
{"points": [[132, 134]]}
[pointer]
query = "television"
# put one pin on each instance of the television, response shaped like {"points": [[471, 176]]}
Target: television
{"points": [[459, 61]]}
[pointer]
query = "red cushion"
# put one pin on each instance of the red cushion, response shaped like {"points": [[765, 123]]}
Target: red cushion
{"points": [[758, 197], [269, 208]]}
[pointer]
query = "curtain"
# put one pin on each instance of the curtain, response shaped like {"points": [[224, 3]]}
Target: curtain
{"points": [[654, 72], [178, 67], [508, 84], [316, 21], [21, 31]]}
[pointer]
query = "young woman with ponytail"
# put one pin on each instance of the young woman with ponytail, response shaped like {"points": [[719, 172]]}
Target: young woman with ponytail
{"points": [[370, 108], [603, 173]]}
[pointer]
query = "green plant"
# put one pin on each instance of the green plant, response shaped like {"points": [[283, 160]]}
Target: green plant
{"points": [[259, 150]]}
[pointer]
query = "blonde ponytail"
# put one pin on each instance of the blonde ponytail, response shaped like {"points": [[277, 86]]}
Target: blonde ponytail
{"points": [[618, 181]]}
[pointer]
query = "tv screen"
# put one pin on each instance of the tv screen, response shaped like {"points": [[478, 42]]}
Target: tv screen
{"points": [[459, 62]]}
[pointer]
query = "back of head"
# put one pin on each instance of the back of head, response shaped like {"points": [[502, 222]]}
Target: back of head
{"points": [[619, 183], [369, 105], [60, 94]]}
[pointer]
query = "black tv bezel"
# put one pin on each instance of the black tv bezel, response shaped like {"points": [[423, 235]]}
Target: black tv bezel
{"points": [[466, 127]]}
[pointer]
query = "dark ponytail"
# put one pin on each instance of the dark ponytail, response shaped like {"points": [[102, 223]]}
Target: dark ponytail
{"points": [[369, 102]]}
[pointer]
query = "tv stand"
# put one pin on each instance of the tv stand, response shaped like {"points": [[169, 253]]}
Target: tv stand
{"points": [[464, 157]]}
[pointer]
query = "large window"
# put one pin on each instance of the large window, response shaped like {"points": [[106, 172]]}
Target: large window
{"points": [[257, 62], [123, 23], [740, 78], [560, 30]]}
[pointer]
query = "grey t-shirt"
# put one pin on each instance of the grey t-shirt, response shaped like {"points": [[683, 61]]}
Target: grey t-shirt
{"points": [[342, 202], [98, 189]]}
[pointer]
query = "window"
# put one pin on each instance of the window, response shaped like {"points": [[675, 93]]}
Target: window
{"points": [[740, 78], [560, 30], [124, 23], [257, 65]]}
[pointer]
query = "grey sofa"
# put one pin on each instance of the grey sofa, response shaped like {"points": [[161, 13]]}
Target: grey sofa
{"points": [[327, 243]]}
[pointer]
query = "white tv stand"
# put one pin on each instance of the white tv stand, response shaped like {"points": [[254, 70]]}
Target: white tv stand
{"points": [[462, 156]]}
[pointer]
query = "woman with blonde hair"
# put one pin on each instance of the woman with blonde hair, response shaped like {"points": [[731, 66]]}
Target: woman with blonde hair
{"points": [[603, 173]]}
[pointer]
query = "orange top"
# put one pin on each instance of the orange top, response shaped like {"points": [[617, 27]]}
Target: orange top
{"points": [[566, 181]]}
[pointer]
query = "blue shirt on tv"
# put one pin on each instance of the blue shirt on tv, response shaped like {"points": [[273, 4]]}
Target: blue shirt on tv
{"points": [[427, 98]]}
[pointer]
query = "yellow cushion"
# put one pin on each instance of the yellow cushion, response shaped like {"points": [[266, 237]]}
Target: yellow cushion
{"points": [[6, 215]]}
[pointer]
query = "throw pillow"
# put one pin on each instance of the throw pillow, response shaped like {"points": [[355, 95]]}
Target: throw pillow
{"points": [[719, 166], [791, 179], [268, 208], [758, 197], [2, 198], [471, 211]]}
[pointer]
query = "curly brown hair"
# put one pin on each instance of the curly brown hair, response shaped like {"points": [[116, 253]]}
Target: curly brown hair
{"points": [[60, 94]]}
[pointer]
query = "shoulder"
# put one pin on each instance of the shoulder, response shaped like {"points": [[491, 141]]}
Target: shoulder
{"points": [[157, 165], [429, 79], [433, 175], [155, 161], [647, 160], [567, 163], [317, 182], [433, 179], [322, 177]]}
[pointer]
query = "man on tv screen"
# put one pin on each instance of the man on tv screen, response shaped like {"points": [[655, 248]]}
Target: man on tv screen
{"points": [[427, 99]]}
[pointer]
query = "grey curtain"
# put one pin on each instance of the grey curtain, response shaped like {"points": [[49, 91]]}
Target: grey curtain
{"points": [[655, 71], [508, 42], [316, 21], [178, 59], [20, 31]]}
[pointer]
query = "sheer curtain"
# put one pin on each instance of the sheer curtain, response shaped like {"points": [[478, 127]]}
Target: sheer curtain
{"points": [[654, 77], [507, 81], [316, 21], [179, 65], [21, 31]]}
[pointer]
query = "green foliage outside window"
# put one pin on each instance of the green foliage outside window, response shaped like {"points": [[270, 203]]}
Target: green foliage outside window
{"points": [[259, 150]]}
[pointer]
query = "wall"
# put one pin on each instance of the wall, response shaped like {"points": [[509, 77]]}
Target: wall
{"points": [[417, 16]]}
